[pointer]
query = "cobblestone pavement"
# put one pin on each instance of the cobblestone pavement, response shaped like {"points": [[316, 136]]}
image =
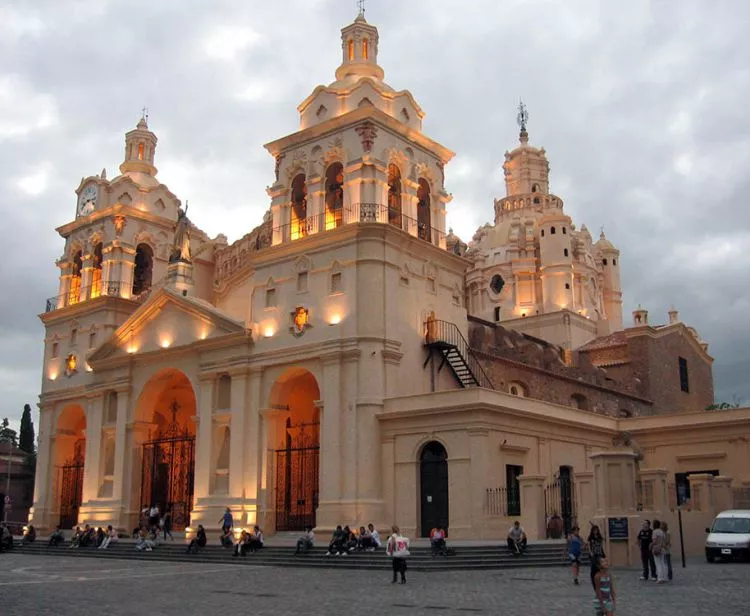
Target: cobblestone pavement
{"points": [[36, 585]]}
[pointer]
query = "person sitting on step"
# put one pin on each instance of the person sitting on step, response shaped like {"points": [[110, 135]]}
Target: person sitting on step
{"points": [[109, 539], [143, 542], [364, 539], [338, 542], [256, 539], [200, 540], [29, 535], [56, 537], [374, 537], [305, 542], [516, 539], [437, 541], [243, 544]]}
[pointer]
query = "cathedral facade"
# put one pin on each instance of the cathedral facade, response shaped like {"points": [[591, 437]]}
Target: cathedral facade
{"points": [[346, 361]]}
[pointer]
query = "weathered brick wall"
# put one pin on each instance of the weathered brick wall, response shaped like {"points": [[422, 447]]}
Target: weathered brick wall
{"points": [[654, 361], [509, 357]]}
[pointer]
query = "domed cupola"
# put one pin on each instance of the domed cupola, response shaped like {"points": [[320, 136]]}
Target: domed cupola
{"points": [[140, 147], [359, 45]]}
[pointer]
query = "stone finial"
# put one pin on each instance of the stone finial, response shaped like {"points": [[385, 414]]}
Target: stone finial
{"points": [[674, 315], [104, 173]]}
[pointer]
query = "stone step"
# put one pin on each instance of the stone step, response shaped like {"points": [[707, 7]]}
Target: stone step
{"points": [[491, 557]]}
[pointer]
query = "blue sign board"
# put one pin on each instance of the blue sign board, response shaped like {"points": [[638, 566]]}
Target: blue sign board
{"points": [[618, 529]]}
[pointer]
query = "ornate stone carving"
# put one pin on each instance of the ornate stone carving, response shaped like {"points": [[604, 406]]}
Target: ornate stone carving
{"points": [[423, 170], [119, 221], [368, 132], [298, 164], [279, 158], [398, 158]]}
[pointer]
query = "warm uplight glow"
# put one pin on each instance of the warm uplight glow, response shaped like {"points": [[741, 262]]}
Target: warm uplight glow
{"points": [[204, 334], [335, 319], [53, 374], [165, 343], [132, 349], [268, 331]]}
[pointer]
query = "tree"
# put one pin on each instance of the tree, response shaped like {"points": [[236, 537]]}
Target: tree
{"points": [[8, 435], [26, 438]]}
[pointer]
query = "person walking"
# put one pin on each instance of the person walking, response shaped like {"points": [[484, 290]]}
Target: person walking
{"points": [[647, 558], [398, 549], [657, 549], [604, 587], [227, 522], [595, 544], [166, 523], [575, 547]]}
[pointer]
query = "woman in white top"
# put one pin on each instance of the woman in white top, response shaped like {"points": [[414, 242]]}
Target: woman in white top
{"points": [[110, 538], [658, 546], [398, 550]]}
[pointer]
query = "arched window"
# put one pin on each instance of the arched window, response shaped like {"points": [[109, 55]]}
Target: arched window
{"points": [[365, 50], [424, 225], [624, 413], [614, 262], [75, 279], [579, 401], [144, 268], [565, 252], [542, 232], [96, 274], [535, 188], [351, 50], [518, 389], [140, 151], [299, 207], [604, 262], [564, 231], [394, 195], [552, 230], [224, 397], [334, 195]]}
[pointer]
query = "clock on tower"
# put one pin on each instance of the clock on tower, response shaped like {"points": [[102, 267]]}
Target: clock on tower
{"points": [[87, 200]]}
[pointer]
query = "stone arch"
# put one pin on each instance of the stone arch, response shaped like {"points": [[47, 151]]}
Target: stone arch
{"points": [[424, 210], [334, 195], [395, 189], [69, 460], [298, 204], [164, 447], [294, 433], [518, 388], [144, 268], [579, 401]]}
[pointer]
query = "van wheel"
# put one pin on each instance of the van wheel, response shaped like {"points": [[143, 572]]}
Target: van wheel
{"points": [[709, 559]]}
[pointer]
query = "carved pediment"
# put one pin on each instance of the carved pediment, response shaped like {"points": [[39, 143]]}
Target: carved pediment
{"points": [[166, 321]]}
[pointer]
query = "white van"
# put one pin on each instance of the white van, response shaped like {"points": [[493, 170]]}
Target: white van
{"points": [[729, 536]]}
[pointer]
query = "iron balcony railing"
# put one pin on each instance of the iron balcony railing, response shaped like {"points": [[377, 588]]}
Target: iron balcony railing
{"points": [[445, 333], [332, 218], [82, 294]]}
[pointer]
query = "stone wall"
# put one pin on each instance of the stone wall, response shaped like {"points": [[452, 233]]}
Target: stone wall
{"points": [[511, 358]]}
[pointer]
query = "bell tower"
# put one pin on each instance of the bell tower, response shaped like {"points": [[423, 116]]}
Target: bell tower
{"points": [[140, 147], [359, 45]]}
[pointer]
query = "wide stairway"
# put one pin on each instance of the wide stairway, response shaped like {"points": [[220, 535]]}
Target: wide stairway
{"points": [[465, 557]]}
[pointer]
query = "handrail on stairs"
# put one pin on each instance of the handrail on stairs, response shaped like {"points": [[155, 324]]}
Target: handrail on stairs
{"points": [[447, 333]]}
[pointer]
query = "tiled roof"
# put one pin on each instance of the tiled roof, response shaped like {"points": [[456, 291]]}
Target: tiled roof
{"points": [[615, 339]]}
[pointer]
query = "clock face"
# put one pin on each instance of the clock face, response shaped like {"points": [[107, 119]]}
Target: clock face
{"points": [[87, 200]]}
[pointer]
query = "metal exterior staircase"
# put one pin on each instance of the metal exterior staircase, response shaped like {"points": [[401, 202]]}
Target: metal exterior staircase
{"points": [[446, 339]]}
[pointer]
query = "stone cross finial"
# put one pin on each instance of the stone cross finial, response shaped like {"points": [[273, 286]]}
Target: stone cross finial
{"points": [[523, 120], [361, 6]]}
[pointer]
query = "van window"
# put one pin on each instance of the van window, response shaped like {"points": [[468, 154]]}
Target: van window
{"points": [[738, 526]]}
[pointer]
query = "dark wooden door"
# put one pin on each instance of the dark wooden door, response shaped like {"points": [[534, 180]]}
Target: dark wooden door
{"points": [[433, 475]]}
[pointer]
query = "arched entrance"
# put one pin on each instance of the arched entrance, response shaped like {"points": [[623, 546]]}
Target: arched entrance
{"points": [[168, 453], [297, 457], [433, 487], [70, 457]]}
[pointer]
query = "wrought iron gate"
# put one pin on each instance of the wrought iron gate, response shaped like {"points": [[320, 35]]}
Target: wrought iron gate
{"points": [[560, 505], [297, 477], [71, 487], [168, 475]]}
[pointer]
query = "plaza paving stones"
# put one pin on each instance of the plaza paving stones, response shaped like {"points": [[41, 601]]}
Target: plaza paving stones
{"points": [[60, 586]]}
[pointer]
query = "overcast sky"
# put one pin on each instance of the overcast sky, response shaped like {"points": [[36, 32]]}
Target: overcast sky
{"points": [[642, 108]]}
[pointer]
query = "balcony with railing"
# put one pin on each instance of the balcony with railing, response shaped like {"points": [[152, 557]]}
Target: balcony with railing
{"points": [[83, 294], [358, 212]]}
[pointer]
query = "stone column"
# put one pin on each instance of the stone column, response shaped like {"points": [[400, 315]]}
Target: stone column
{"points": [[700, 491], [252, 445], [92, 470], [121, 451], [479, 461], [388, 466], [136, 433], [39, 514], [329, 501], [532, 506], [238, 436], [615, 497], [721, 493], [654, 486], [204, 436], [87, 269]]}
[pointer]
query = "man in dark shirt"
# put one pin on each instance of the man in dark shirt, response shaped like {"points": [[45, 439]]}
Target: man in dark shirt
{"points": [[647, 558]]}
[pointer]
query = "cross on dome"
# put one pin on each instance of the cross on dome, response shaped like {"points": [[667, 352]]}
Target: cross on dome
{"points": [[361, 6]]}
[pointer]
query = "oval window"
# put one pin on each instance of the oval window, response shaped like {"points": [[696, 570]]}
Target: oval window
{"points": [[497, 283]]}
